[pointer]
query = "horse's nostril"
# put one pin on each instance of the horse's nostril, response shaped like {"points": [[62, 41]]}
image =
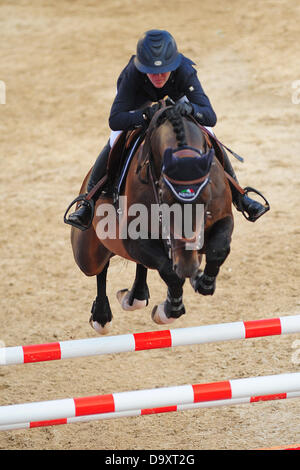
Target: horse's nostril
{"points": [[174, 267]]}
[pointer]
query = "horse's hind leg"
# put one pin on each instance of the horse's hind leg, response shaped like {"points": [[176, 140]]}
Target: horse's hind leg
{"points": [[217, 250], [137, 297], [101, 316]]}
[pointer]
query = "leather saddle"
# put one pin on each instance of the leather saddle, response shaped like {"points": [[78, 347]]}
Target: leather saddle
{"points": [[121, 155]]}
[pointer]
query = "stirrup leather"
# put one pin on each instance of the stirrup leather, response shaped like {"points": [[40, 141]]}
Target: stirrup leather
{"points": [[88, 198]]}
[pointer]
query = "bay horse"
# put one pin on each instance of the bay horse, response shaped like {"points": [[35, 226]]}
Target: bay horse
{"points": [[174, 164]]}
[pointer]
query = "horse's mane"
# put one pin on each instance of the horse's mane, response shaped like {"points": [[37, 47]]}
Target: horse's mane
{"points": [[175, 118]]}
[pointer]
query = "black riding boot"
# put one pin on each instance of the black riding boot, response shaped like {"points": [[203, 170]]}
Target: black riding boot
{"points": [[83, 214], [253, 208]]}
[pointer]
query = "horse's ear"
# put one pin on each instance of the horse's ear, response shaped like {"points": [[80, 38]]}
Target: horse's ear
{"points": [[204, 162], [168, 157]]}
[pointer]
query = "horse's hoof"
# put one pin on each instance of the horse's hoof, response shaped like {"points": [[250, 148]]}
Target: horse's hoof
{"points": [[102, 330], [203, 284], [158, 315], [123, 298]]}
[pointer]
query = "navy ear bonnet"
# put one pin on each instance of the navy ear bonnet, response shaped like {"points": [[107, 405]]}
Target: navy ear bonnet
{"points": [[186, 176]]}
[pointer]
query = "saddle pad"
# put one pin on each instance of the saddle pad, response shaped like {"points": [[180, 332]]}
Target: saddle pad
{"points": [[127, 160]]}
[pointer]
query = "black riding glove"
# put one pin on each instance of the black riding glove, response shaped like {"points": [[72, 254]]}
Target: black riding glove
{"points": [[149, 112], [184, 108]]}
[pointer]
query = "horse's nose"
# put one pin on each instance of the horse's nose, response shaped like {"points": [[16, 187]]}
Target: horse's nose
{"points": [[184, 270]]}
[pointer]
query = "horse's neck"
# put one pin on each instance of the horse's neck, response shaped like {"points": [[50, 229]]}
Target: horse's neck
{"points": [[160, 138]]}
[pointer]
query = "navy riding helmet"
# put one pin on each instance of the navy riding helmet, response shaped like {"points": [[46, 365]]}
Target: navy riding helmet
{"points": [[157, 52]]}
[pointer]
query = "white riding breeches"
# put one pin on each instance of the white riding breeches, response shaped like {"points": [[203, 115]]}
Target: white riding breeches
{"points": [[113, 137]]}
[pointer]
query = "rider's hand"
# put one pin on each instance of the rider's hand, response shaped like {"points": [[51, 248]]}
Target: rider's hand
{"points": [[184, 108], [149, 112]]}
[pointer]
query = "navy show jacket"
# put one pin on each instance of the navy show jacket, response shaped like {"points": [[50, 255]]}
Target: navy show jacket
{"points": [[135, 91]]}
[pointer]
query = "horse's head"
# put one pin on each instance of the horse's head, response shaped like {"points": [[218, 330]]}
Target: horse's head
{"points": [[184, 193]]}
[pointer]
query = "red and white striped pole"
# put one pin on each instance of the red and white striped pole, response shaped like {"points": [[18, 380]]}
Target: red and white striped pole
{"points": [[151, 398], [149, 340], [149, 411]]}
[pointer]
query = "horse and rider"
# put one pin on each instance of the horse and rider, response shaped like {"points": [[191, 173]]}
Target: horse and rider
{"points": [[158, 71]]}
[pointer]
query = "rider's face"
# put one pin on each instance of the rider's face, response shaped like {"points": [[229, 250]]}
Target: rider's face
{"points": [[159, 79]]}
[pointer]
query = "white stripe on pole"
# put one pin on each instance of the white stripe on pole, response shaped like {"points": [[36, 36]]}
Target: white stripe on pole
{"points": [[95, 346], [116, 414], [269, 384], [12, 355], [290, 324], [37, 411], [208, 333], [11, 427], [153, 398], [293, 395], [214, 403]]}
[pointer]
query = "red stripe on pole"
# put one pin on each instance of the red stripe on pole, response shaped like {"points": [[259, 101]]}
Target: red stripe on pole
{"points": [[278, 396], [51, 422], [41, 352], [94, 405], [212, 391], [164, 409], [258, 328], [152, 340]]}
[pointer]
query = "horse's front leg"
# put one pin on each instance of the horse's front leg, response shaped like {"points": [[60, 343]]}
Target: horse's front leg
{"points": [[101, 316], [173, 307], [138, 296], [151, 253], [217, 250]]}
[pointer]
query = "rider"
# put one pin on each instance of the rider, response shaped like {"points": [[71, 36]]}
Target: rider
{"points": [[157, 70]]}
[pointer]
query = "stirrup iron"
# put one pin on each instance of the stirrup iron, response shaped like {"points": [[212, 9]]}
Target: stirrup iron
{"points": [[247, 190], [90, 202]]}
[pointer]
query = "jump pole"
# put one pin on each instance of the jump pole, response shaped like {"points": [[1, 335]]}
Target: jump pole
{"points": [[149, 340], [151, 398], [149, 411]]}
